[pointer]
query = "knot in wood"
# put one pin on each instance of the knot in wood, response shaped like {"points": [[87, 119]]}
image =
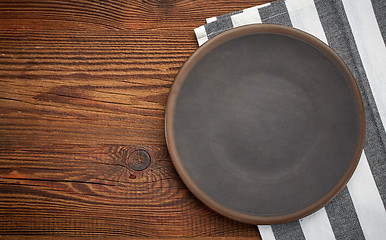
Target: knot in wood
{"points": [[139, 160]]}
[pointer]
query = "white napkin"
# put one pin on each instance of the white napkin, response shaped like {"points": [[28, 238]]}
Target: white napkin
{"points": [[356, 30]]}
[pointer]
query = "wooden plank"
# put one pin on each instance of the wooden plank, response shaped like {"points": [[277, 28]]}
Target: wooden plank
{"points": [[118, 14], [91, 87], [83, 84], [88, 191], [11, 237]]}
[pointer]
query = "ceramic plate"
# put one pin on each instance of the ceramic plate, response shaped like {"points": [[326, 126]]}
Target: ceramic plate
{"points": [[265, 124]]}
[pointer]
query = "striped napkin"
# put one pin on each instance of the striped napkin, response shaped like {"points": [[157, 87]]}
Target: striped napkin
{"points": [[356, 30]]}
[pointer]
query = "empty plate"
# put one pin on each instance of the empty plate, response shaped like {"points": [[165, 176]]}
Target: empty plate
{"points": [[265, 124]]}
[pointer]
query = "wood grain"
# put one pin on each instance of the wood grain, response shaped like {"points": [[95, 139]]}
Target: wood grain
{"points": [[118, 14], [11, 237], [82, 85]]}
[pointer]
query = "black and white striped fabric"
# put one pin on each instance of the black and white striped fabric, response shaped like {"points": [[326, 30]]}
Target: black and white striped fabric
{"points": [[356, 30]]}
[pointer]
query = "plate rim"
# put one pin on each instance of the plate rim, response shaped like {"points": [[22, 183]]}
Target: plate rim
{"points": [[185, 70]]}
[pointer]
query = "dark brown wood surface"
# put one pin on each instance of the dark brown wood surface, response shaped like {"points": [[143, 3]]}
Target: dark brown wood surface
{"points": [[83, 84]]}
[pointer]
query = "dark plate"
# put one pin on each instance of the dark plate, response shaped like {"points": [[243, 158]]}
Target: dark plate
{"points": [[265, 124]]}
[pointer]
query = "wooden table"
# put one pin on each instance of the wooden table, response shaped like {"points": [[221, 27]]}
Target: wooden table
{"points": [[82, 99]]}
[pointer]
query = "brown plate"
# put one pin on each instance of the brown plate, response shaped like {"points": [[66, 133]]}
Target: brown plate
{"points": [[265, 124]]}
